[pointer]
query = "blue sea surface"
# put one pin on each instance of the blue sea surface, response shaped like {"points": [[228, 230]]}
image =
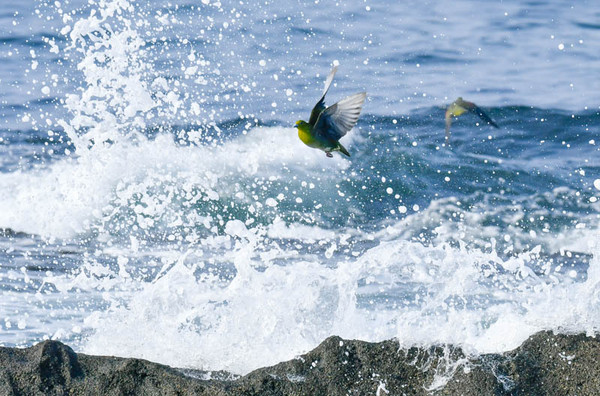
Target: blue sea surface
{"points": [[155, 200]]}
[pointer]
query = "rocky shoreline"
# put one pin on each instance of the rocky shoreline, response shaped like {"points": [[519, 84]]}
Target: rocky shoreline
{"points": [[546, 364]]}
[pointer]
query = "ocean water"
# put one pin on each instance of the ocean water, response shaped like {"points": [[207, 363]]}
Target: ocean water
{"points": [[156, 202]]}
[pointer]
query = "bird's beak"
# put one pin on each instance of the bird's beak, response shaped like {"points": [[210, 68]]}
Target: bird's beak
{"points": [[296, 126]]}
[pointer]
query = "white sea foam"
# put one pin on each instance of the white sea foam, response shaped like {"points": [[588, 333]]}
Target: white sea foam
{"points": [[513, 227], [421, 295], [75, 196]]}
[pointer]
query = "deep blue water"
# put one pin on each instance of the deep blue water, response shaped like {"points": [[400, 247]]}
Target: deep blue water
{"points": [[155, 197]]}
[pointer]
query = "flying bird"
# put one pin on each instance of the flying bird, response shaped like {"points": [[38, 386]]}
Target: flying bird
{"points": [[327, 125], [460, 106]]}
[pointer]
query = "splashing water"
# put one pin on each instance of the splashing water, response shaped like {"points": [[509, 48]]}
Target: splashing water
{"points": [[166, 233]]}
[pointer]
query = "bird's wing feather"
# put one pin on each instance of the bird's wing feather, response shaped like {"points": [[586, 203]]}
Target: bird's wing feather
{"points": [[483, 115], [454, 110], [336, 120], [448, 124], [320, 106], [465, 104], [329, 80]]}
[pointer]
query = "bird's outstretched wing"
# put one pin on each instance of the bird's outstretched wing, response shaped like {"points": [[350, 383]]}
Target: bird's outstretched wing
{"points": [[336, 120], [448, 125], [483, 116], [320, 106], [455, 109], [473, 108]]}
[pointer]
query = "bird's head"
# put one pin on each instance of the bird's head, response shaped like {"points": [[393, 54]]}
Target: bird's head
{"points": [[301, 124]]}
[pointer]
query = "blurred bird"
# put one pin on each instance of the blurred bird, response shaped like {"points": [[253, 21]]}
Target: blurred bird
{"points": [[460, 106], [327, 126]]}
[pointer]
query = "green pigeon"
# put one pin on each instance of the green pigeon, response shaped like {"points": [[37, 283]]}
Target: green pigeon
{"points": [[460, 106], [327, 125]]}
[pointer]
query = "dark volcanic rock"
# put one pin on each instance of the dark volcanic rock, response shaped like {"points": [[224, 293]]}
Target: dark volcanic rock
{"points": [[52, 368], [339, 367], [546, 364]]}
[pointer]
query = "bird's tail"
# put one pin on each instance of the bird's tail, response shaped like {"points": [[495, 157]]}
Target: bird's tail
{"points": [[342, 149]]}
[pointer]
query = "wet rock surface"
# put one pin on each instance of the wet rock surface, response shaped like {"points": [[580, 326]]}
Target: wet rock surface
{"points": [[546, 364]]}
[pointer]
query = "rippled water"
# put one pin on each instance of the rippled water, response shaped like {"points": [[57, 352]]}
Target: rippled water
{"points": [[156, 202]]}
